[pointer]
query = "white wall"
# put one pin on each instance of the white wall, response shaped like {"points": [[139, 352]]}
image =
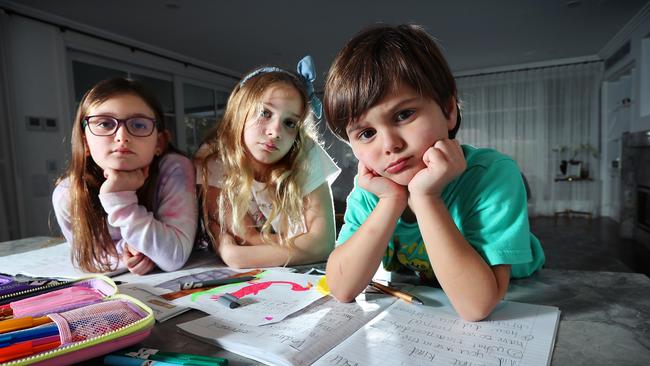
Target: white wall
{"points": [[639, 57], [629, 77], [36, 78]]}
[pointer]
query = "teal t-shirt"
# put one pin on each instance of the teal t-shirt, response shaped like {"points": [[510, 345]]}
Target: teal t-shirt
{"points": [[488, 204]]}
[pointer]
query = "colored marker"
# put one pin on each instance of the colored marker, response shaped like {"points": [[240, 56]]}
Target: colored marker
{"points": [[173, 357], [28, 348], [214, 283], [115, 360], [29, 334], [22, 323], [229, 301]]}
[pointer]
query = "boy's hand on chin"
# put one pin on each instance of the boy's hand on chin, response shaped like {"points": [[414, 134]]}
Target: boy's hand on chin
{"points": [[123, 180], [382, 187], [444, 161]]}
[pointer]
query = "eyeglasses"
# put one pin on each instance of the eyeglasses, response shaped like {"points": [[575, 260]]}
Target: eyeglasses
{"points": [[107, 125]]}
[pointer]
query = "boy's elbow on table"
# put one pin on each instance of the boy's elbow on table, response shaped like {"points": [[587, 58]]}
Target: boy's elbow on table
{"points": [[344, 296], [475, 313]]}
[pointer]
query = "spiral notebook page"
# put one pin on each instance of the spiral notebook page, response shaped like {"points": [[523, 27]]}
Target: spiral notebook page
{"points": [[405, 334]]}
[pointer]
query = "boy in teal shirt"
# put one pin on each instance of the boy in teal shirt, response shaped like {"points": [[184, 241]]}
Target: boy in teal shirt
{"points": [[453, 213]]}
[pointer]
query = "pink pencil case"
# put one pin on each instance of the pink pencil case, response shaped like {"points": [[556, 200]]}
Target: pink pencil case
{"points": [[79, 294], [98, 322]]}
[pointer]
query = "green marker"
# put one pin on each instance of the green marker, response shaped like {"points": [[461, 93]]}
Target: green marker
{"points": [[173, 357]]}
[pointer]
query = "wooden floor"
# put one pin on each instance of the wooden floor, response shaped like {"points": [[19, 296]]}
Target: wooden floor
{"points": [[592, 245]]}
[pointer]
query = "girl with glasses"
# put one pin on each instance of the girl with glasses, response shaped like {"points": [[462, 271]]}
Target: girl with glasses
{"points": [[265, 180], [128, 196]]}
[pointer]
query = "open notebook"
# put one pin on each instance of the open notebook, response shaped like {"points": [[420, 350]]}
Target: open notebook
{"points": [[391, 332]]}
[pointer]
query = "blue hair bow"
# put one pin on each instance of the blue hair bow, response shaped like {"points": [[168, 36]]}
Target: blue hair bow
{"points": [[307, 73]]}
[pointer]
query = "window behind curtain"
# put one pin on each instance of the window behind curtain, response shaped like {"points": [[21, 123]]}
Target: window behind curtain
{"points": [[538, 117]]}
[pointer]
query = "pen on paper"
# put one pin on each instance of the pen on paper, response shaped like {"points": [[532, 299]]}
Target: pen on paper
{"points": [[397, 293], [214, 283], [229, 301]]}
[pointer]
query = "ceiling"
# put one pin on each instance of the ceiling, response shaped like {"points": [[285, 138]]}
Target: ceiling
{"points": [[239, 35]]}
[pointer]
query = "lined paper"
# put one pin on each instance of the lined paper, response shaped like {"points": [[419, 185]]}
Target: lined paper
{"points": [[405, 334]]}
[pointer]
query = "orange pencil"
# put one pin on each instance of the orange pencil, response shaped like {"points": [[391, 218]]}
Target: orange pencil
{"points": [[397, 293]]}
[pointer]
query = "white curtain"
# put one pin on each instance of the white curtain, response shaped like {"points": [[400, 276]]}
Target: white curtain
{"points": [[540, 117]]}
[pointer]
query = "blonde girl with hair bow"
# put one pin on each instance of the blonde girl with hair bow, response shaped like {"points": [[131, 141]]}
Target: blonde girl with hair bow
{"points": [[264, 178]]}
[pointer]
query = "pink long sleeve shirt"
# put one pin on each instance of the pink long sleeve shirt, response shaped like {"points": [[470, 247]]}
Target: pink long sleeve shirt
{"points": [[166, 235]]}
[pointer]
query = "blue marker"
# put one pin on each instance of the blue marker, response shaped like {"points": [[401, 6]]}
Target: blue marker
{"points": [[42, 331]]}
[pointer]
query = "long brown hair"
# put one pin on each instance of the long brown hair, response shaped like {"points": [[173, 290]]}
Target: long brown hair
{"points": [[92, 246], [225, 144]]}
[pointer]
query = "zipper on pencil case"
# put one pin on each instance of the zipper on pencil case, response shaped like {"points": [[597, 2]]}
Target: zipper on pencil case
{"points": [[109, 336], [5, 299]]}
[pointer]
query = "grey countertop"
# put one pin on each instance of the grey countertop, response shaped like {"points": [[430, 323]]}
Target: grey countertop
{"points": [[605, 316], [27, 244]]}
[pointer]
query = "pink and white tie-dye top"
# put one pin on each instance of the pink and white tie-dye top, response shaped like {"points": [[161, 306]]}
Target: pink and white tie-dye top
{"points": [[166, 236]]}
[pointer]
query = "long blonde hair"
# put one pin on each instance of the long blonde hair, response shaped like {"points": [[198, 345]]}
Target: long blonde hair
{"points": [[284, 181], [92, 246]]}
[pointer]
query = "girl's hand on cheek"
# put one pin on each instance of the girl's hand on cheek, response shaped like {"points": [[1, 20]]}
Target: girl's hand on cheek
{"points": [[382, 187], [444, 161], [122, 180]]}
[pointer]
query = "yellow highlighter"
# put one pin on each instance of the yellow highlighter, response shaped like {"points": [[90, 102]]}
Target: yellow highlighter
{"points": [[22, 323]]}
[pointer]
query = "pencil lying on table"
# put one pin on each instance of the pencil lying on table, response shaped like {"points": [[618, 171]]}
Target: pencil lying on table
{"points": [[397, 293]]}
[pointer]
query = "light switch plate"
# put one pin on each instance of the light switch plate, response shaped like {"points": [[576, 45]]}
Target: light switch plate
{"points": [[33, 123]]}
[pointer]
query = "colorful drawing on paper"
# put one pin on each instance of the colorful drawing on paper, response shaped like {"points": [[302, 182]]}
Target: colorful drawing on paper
{"points": [[255, 288], [268, 299]]}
